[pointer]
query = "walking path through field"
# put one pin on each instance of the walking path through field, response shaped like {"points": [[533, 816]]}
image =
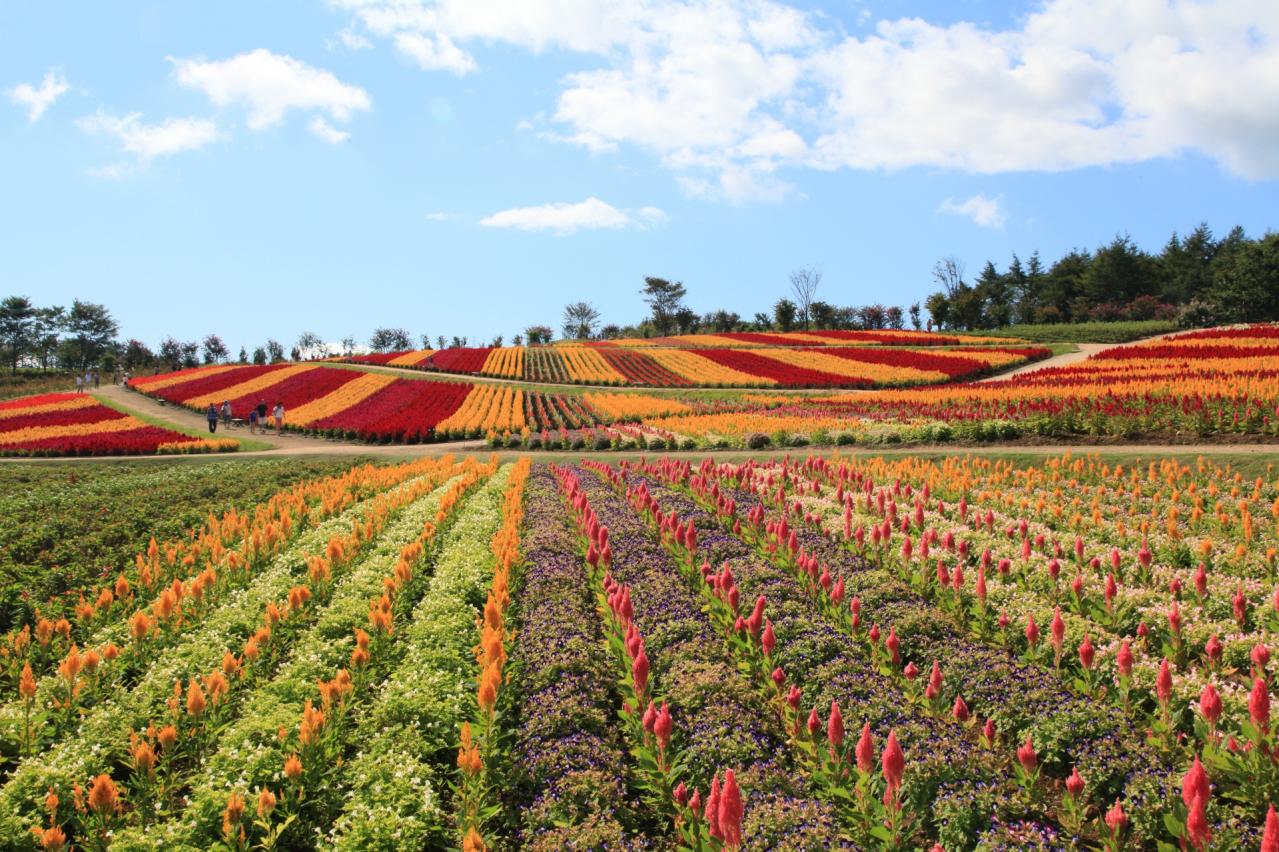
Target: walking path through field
{"points": [[1084, 351]]}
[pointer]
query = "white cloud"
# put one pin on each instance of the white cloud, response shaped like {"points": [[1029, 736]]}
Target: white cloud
{"points": [[986, 212], [323, 130], [728, 94], [652, 215], [38, 100], [565, 218], [348, 39], [269, 85], [434, 53], [146, 142]]}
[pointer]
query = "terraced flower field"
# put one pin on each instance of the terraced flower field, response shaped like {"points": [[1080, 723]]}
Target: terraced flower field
{"points": [[1215, 382], [845, 359], [856, 653], [71, 424], [370, 406]]}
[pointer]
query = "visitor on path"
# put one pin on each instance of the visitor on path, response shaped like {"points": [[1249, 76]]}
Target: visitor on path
{"points": [[79, 383], [278, 414], [97, 379], [212, 415], [253, 421], [262, 414], [226, 413]]}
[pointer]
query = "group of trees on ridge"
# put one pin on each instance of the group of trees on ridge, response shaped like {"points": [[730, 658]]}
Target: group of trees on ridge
{"points": [[800, 309], [1197, 280]]}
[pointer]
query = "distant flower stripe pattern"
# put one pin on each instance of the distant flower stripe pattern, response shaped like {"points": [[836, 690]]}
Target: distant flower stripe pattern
{"points": [[79, 425]]}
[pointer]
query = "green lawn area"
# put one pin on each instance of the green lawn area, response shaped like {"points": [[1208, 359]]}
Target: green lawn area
{"points": [[1082, 332]]}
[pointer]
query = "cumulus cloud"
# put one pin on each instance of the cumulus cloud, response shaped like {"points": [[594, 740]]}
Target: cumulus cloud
{"points": [[147, 142], [270, 85], [563, 218], [728, 94], [37, 100], [986, 212]]}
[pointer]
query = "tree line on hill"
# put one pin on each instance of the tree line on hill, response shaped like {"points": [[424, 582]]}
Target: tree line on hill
{"points": [[1197, 280], [668, 314], [86, 336]]}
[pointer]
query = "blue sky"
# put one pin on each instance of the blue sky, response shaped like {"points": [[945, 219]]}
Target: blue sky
{"points": [[469, 166]]}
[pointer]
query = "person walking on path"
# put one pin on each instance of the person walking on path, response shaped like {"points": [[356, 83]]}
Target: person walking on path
{"points": [[79, 383], [262, 414], [226, 413], [253, 421], [97, 379], [278, 414], [212, 415]]}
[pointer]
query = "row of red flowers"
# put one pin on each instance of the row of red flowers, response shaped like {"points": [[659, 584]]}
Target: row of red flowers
{"points": [[78, 425]]}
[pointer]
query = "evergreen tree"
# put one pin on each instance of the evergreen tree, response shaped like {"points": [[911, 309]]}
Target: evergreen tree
{"points": [[1245, 287]]}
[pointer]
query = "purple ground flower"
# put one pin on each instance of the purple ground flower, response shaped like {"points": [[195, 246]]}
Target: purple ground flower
{"points": [[570, 764], [721, 720]]}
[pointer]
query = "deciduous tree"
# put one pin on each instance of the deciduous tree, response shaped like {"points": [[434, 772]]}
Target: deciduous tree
{"points": [[664, 298], [215, 351], [580, 320], [17, 328], [90, 330], [390, 340], [804, 283]]}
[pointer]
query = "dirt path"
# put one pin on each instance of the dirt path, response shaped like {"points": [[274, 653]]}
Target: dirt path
{"points": [[1084, 351]]}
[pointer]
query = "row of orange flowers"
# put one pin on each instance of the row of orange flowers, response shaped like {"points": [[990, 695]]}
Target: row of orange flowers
{"points": [[477, 749], [321, 733]]}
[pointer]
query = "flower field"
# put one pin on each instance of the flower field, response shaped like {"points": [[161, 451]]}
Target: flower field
{"points": [[1215, 382], [69, 424], [843, 359], [372, 406], [850, 653]]}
